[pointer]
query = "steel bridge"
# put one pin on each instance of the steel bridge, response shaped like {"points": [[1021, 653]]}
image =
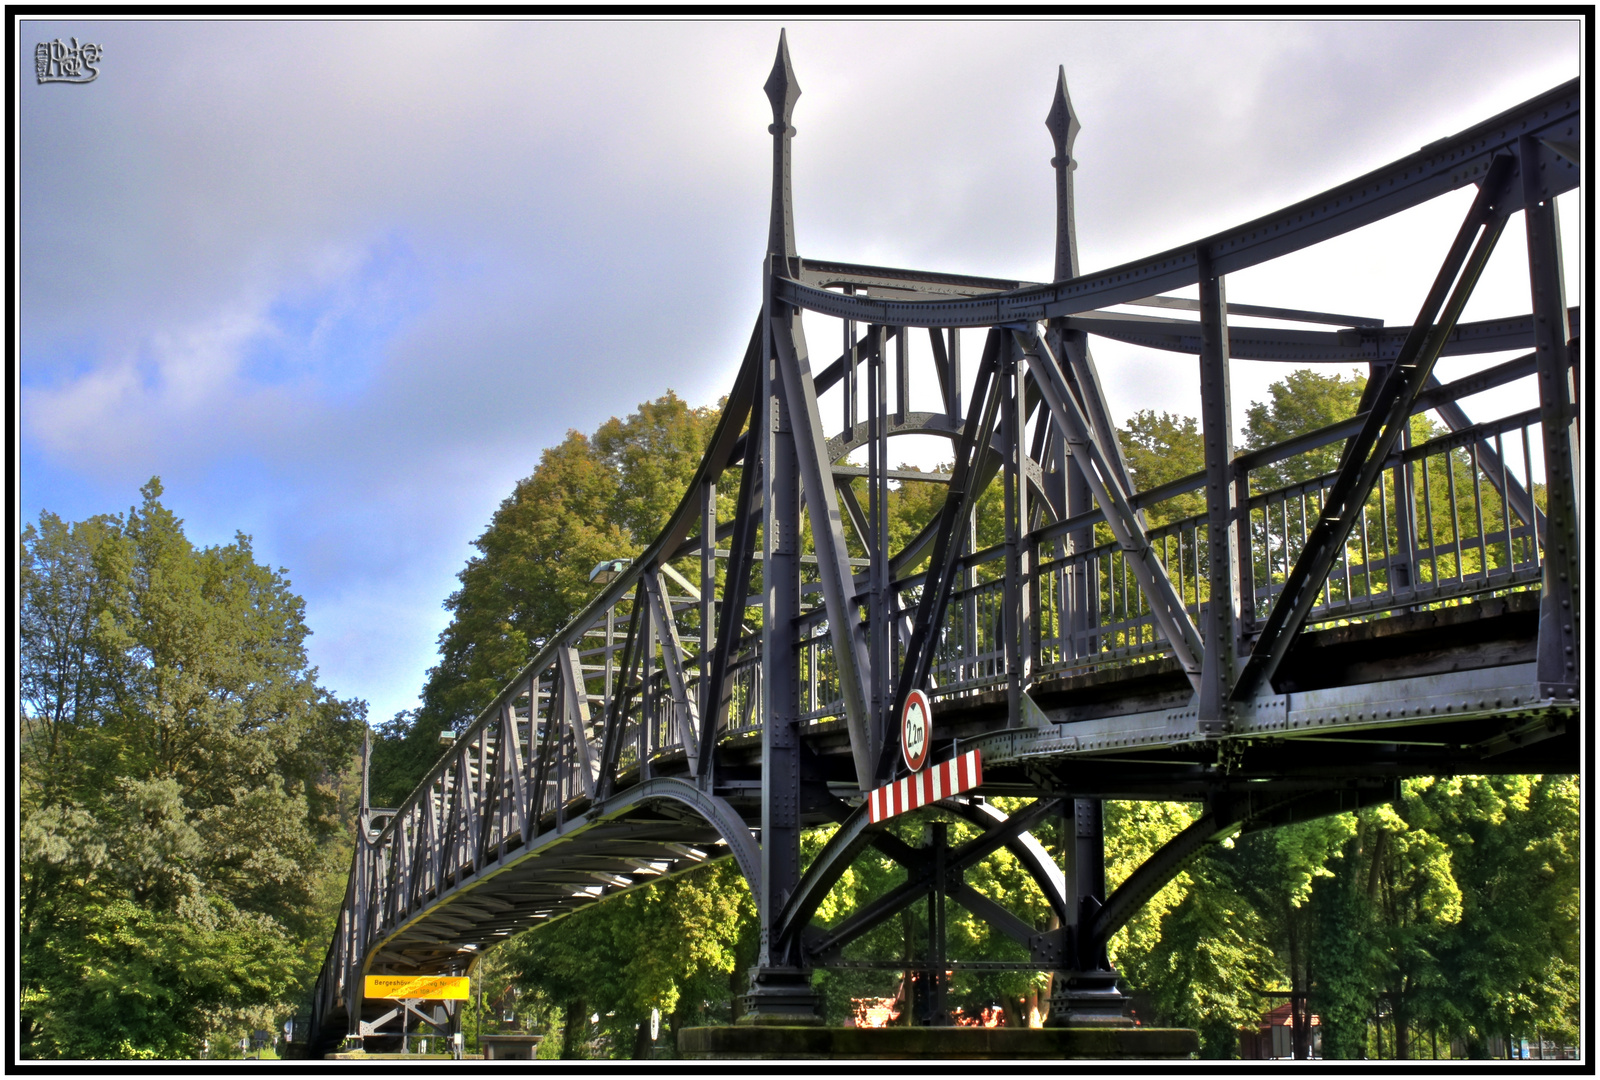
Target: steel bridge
{"points": [[1295, 650]]}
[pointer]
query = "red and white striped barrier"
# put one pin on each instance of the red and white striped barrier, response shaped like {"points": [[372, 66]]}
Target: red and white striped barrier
{"points": [[930, 785]]}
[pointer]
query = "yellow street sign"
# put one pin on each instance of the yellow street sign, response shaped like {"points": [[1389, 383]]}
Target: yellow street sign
{"points": [[411, 987]]}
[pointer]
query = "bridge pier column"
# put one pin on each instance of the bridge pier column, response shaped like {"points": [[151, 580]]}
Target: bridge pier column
{"points": [[1086, 992], [780, 986], [930, 1001]]}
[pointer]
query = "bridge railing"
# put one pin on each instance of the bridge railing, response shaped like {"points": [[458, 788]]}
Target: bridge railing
{"points": [[1450, 518], [1455, 515], [1437, 527]]}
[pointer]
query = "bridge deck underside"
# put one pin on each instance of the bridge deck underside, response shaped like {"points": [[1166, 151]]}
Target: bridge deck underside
{"points": [[567, 867]]}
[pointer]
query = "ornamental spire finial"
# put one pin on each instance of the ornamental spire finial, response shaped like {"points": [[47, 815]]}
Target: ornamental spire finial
{"points": [[1064, 126], [1062, 121], [782, 90]]}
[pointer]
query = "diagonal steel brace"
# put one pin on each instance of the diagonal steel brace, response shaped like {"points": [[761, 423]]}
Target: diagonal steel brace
{"points": [[827, 533], [1101, 475], [1366, 454]]}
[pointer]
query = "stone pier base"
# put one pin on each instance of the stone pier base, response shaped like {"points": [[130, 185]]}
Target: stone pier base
{"points": [[775, 1043]]}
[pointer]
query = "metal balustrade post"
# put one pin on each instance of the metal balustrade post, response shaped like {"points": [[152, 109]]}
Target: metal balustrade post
{"points": [[1558, 423]]}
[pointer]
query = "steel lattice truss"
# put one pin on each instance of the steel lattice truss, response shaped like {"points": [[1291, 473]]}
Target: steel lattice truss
{"points": [[1293, 651]]}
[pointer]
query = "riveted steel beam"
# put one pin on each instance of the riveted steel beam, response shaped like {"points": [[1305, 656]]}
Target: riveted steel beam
{"points": [[1223, 500], [1559, 601], [1359, 345], [1437, 168]]}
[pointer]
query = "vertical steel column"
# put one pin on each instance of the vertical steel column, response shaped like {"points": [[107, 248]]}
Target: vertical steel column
{"points": [[1056, 480], [1402, 574], [356, 923], [649, 716], [611, 641], [1089, 839], [1083, 995], [952, 390], [969, 607], [848, 389], [1221, 619], [902, 376], [780, 754], [1017, 621], [709, 695], [1558, 422], [878, 627], [1080, 611], [1086, 995], [779, 986]]}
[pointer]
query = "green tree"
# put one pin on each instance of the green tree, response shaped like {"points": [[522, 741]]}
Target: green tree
{"points": [[1302, 401], [1278, 869], [668, 946], [1510, 966], [179, 787], [1161, 448]]}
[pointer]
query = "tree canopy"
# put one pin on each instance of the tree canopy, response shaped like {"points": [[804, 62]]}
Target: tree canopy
{"points": [[180, 788]]}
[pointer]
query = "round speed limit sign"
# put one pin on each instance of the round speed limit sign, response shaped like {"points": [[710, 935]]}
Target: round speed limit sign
{"points": [[916, 729]]}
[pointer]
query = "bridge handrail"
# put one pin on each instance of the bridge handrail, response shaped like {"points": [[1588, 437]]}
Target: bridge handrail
{"points": [[1477, 382], [1136, 620]]}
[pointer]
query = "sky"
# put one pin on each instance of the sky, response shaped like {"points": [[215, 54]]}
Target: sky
{"points": [[340, 283]]}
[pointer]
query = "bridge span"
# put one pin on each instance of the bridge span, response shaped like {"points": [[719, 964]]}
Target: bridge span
{"points": [[1296, 649]]}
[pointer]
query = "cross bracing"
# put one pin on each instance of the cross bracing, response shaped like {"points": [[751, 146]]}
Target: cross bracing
{"points": [[1294, 650]]}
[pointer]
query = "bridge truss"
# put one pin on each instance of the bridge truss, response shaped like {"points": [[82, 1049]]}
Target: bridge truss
{"points": [[1294, 650]]}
